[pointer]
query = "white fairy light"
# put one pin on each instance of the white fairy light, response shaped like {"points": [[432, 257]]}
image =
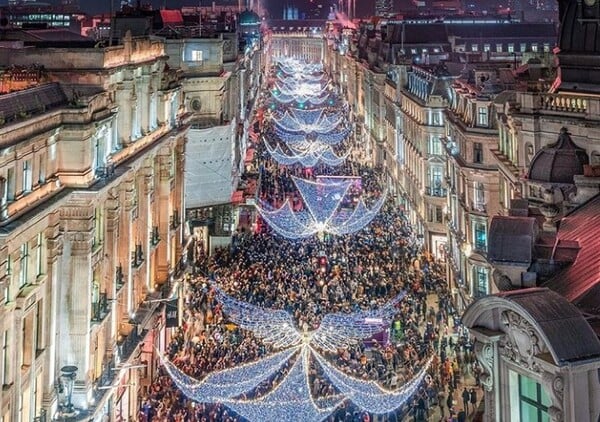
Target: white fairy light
{"points": [[292, 398], [321, 214], [308, 121], [307, 154]]}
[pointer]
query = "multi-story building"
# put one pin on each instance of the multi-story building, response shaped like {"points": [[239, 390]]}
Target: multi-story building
{"points": [[422, 104], [472, 180], [91, 233], [538, 340]]}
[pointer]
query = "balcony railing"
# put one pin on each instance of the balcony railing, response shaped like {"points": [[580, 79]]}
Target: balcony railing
{"points": [[42, 417], [154, 236], [128, 344], [100, 308], [175, 220], [479, 206], [119, 279], [438, 192], [480, 246], [137, 256]]}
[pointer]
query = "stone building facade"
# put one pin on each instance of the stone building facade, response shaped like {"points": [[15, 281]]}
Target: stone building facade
{"points": [[472, 182], [91, 228]]}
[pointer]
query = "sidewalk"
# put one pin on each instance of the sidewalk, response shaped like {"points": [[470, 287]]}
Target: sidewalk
{"points": [[466, 380]]}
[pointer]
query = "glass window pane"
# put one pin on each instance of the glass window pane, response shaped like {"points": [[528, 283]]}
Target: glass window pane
{"points": [[528, 388], [529, 413]]}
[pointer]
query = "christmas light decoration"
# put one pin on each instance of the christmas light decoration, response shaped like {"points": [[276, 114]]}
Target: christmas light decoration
{"points": [[332, 138], [232, 382], [301, 88], [292, 398], [322, 212], [308, 121], [307, 154], [302, 99]]}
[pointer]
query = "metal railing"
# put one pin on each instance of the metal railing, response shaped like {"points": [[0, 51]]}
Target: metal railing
{"points": [[438, 192], [154, 236], [137, 256], [100, 308]]}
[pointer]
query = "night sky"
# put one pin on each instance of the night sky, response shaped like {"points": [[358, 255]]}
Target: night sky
{"points": [[364, 7]]}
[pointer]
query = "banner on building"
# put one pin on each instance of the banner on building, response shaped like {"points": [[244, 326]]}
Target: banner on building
{"points": [[172, 313]]}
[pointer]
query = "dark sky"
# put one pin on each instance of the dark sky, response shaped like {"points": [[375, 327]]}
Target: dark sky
{"points": [[364, 7]]}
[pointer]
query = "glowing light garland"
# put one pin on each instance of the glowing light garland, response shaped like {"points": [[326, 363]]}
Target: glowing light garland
{"points": [[308, 121], [291, 66], [303, 99], [296, 88], [292, 398], [333, 138], [307, 155], [321, 214]]}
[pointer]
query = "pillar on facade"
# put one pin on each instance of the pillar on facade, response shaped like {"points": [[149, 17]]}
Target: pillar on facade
{"points": [[54, 251], [124, 95], [76, 293]]}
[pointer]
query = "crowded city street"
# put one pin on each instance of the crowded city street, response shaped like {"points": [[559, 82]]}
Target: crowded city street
{"points": [[325, 306]]}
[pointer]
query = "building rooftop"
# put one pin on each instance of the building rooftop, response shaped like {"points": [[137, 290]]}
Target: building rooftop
{"points": [[579, 283], [559, 162], [511, 239], [19, 104], [568, 335]]}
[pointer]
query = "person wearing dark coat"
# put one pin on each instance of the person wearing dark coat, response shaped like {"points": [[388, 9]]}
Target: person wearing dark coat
{"points": [[473, 399], [466, 396]]}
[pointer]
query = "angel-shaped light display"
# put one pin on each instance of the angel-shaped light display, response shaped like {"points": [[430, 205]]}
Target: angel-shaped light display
{"points": [[307, 154], [292, 66], [322, 211], [291, 398], [314, 121], [332, 138]]}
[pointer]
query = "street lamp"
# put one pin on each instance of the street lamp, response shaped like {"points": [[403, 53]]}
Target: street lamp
{"points": [[68, 374]]}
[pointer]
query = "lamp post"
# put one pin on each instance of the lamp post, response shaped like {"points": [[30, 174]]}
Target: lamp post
{"points": [[68, 374]]}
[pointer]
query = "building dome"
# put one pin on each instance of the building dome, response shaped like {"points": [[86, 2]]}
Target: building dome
{"points": [[559, 162], [249, 19]]}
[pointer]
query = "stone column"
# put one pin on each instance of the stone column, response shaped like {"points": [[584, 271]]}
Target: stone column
{"points": [[54, 248], [144, 102], [75, 301], [486, 351], [111, 253], [179, 195], [163, 214], [124, 99], [146, 186], [125, 245]]}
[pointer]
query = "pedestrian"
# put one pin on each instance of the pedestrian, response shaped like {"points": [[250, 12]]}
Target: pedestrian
{"points": [[449, 403], [473, 399], [466, 396], [441, 402]]}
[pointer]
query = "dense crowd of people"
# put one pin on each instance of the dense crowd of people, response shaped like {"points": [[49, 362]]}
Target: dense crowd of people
{"points": [[310, 278]]}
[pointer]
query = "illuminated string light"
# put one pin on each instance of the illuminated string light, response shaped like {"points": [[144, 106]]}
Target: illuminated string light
{"points": [[308, 121], [292, 139], [322, 213], [307, 154], [292, 398]]}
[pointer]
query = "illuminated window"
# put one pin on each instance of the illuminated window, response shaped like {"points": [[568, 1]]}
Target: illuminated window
{"points": [[486, 47], [498, 48], [523, 47], [511, 48], [196, 55], [27, 176], [546, 47], [533, 401], [480, 282]]}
